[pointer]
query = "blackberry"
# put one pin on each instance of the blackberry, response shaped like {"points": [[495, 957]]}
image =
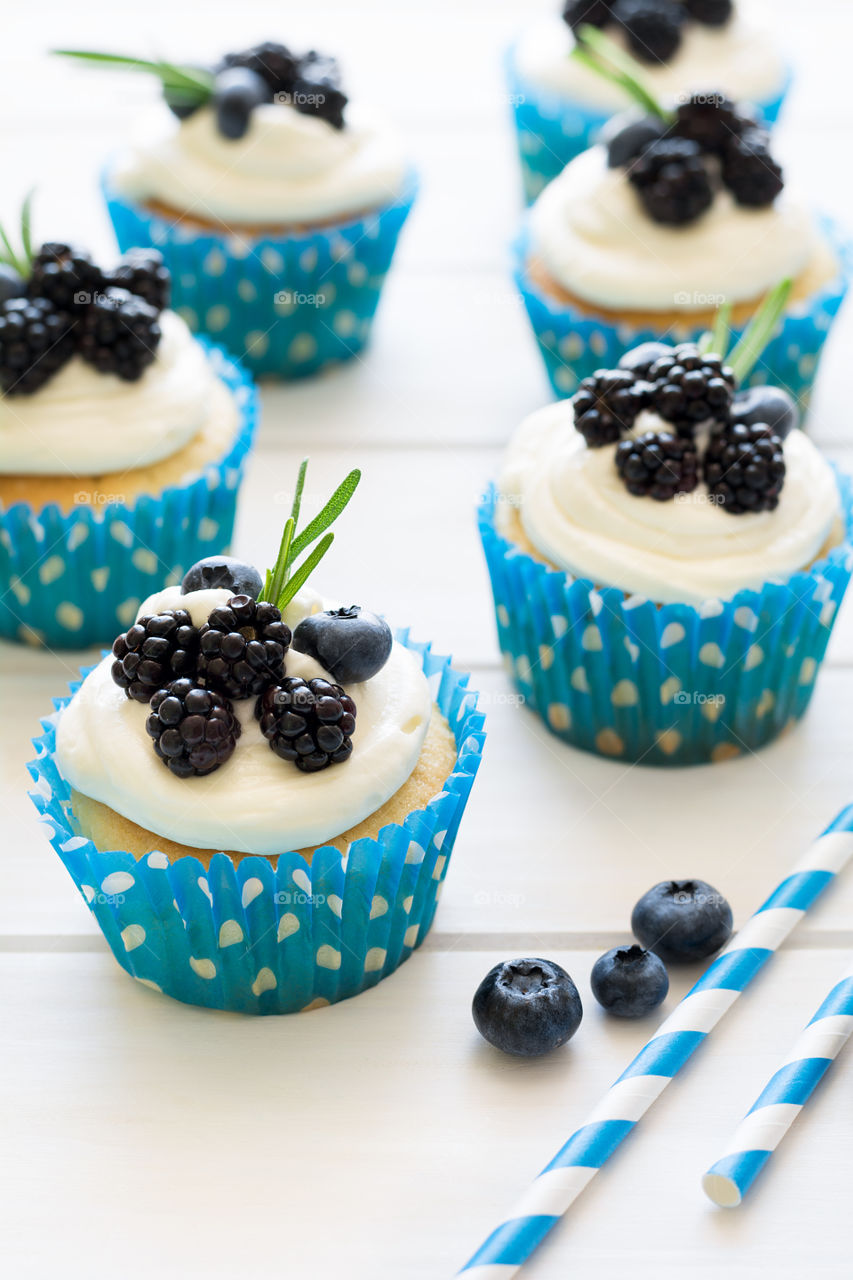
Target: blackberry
{"points": [[35, 342], [658, 465], [606, 405], [154, 651], [65, 275], [119, 333], [627, 135], [710, 120], [690, 388], [317, 91], [243, 644], [672, 181], [194, 730], [639, 360], [578, 13], [273, 62], [711, 13], [744, 468], [142, 272], [309, 722], [750, 172], [652, 27]]}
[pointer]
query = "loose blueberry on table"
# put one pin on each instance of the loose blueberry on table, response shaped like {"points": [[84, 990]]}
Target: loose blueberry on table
{"points": [[309, 83], [191, 676], [527, 1007], [729, 439], [57, 302], [629, 982], [682, 920]]}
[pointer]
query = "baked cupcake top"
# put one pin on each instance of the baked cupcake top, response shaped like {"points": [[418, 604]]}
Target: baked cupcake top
{"points": [[662, 479], [97, 375], [268, 137], [223, 720], [683, 47]]}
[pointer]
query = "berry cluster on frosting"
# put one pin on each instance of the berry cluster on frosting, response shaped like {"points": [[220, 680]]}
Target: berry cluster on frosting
{"points": [[653, 29], [729, 438], [310, 83], [56, 302], [190, 676]]}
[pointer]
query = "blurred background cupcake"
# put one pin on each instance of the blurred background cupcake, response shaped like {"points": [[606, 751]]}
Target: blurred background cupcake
{"points": [[261, 812], [673, 214], [275, 201], [122, 442], [667, 556], [559, 104]]}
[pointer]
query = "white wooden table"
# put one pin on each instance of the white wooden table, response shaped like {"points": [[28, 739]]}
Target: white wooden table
{"points": [[381, 1138]]}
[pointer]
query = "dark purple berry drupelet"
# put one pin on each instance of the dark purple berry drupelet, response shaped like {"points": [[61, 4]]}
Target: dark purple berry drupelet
{"points": [[153, 652], [658, 465], [36, 340], [750, 172], [744, 468], [672, 181], [594, 13], [142, 272], [66, 276], [711, 13], [194, 730], [690, 388], [273, 62], [242, 647], [308, 722], [652, 27], [606, 405], [119, 333]]}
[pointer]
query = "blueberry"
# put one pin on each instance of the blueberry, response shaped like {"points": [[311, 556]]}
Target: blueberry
{"points": [[640, 359], [770, 405], [629, 981], [682, 920], [11, 284], [350, 643], [236, 93], [627, 135], [527, 1007], [223, 571]]}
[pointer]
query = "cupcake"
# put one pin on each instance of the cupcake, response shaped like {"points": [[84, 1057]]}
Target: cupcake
{"points": [[275, 201], [122, 443], [672, 215], [667, 554], [560, 104], [258, 800]]}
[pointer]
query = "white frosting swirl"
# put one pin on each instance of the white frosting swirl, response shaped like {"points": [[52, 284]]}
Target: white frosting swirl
{"points": [[256, 802], [738, 57], [594, 238], [287, 168], [86, 423], [578, 514]]}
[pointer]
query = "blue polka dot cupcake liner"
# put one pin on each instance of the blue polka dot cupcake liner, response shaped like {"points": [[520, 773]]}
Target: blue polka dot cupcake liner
{"points": [[76, 579], [252, 938], [552, 129], [286, 305], [672, 684], [573, 343]]}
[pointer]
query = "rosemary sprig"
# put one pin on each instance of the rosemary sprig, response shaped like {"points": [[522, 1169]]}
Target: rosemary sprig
{"points": [[190, 85], [716, 340], [759, 331], [601, 54], [283, 581], [20, 261]]}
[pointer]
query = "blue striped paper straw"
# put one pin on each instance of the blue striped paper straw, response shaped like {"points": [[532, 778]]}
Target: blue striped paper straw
{"points": [[576, 1164], [783, 1098]]}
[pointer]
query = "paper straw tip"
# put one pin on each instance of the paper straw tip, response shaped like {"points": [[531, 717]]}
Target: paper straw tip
{"points": [[722, 1190]]}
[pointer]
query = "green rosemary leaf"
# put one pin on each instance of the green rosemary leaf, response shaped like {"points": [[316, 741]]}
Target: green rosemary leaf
{"points": [[297, 496], [8, 254], [328, 515], [303, 573], [26, 226], [278, 575], [189, 83], [721, 332], [759, 331], [623, 69]]}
